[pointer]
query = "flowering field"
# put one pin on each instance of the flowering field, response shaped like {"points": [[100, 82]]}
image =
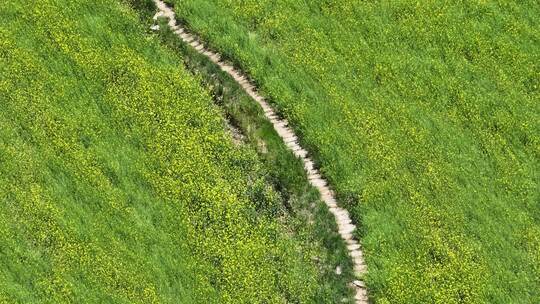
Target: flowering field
{"points": [[425, 116], [118, 183]]}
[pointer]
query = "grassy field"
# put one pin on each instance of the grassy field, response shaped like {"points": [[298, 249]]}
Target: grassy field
{"points": [[308, 220], [426, 119], [118, 183]]}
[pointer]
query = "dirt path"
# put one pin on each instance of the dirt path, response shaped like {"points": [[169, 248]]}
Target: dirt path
{"points": [[289, 138]]}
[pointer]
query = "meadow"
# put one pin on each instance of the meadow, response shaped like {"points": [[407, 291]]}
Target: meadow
{"points": [[118, 181], [425, 117]]}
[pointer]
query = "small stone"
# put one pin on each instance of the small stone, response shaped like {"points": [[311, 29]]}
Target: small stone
{"points": [[314, 182], [303, 153], [346, 236], [355, 254], [330, 203], [361, 296], [290, 139], [157, 15], [353, 247], [155, 27], [360, 269], [314, 176], [338, 270], [346, 228], [359, 283]]}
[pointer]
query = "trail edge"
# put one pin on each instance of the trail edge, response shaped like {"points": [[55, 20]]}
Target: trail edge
{"points": [[343, 220]]}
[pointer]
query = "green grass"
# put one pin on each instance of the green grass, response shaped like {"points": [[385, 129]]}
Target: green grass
{"points": [[425, 117], [118, 183], [309, 220]]}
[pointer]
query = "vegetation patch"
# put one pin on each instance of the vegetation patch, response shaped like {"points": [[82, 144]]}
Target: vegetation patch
{"points": [[118, 182], [424, 117]]}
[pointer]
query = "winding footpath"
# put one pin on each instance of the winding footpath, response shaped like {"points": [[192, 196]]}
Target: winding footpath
{"points": [[345, 225]]}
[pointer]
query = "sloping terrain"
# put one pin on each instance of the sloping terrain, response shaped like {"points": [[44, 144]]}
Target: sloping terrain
{"points": [[118, 182], [288, 138], [425, 117]]}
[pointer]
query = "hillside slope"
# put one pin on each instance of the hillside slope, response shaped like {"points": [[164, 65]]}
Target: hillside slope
{"points": [[118, 182], [425, 117]]}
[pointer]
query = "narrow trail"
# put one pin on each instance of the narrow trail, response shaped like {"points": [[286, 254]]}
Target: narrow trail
{"points": [[345, 225]]}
